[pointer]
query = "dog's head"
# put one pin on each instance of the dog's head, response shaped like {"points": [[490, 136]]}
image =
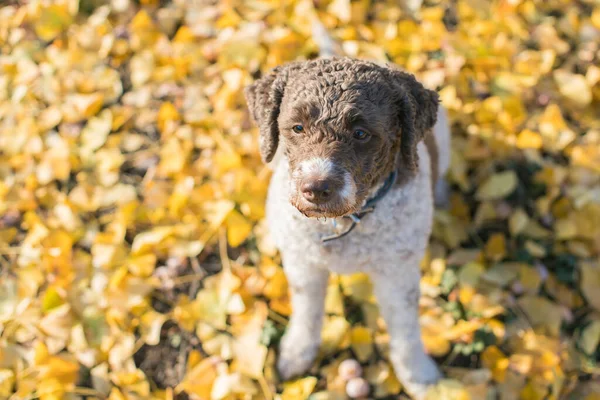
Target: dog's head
{"points": [[345, 124]]}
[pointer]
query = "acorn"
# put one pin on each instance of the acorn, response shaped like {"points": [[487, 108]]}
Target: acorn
{"points": [[357, 388], [349, 369]]}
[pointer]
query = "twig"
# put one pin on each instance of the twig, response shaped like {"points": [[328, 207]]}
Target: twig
{"points": [[83, 391], [200, 272], [180, 280], [223, 250], [277, 318], [149, 176], [264, 386]]}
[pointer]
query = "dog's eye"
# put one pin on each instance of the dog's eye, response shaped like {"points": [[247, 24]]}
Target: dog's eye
{"points": [[359, 134], [298, 128]]}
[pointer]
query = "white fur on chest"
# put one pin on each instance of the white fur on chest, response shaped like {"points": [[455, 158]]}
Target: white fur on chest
{"points": [[398, 228]]}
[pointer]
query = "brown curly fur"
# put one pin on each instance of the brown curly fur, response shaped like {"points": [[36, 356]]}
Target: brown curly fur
{"points": [[333, 97]]}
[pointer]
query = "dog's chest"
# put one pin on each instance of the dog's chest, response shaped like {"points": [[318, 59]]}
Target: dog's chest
{"points": [[398, 228]]}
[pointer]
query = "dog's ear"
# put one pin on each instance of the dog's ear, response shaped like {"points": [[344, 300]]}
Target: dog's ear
{"points": [[417, 112], [264, 99]]}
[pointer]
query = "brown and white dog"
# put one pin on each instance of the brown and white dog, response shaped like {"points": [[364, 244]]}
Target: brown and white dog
{"points": [[364, 147]]}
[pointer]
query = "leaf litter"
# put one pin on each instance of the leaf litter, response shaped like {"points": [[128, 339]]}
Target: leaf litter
{"points": [[134, 263]]}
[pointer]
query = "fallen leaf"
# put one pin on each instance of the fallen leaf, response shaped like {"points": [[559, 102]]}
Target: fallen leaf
{"points": [[299, 389], [542, 313], [53, 20], [590, 279], [498, 186], [238, 228], [361, 342], [447, 389], [574, 87]]}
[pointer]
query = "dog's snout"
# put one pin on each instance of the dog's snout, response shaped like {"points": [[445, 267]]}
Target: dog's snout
{"points": [[322, 185], [316, 191]]}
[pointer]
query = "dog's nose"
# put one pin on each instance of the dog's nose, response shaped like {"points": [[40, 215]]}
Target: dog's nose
{"points": [[316, 191]]}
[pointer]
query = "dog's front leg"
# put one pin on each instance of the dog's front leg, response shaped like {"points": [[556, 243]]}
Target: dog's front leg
{"points": [[300, 344], [397, 291]]}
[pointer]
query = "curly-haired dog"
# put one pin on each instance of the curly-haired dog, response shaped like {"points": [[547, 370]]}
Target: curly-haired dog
{"points": [[358, 156]]}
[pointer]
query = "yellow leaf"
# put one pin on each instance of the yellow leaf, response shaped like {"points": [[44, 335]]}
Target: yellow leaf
{"points": [[167, 114], [334, 332], [358, 286], [565, 229], [361, 339], [50, 389], [216, 212], [517, 221], [590, 282], [382, 378], [587, 156], [552, 122], [7, 382], [466, 294], [49, 118], [210, 308], [341, 9], [493, 359], [148, 240], [535, 230], [64, 369], [143, 265], [52, 299], [277, 285], [529, 278], [332, 395], [238, 228], [470, 273], [95, 133], [134, 383], [529, 140], [542, 313], [521, 363], [173, 156], [334, 300], [447, 389], [82, 106], [299, 389], [534, 391], [535, 249], [115, 394], [462, 328], [57, 323], [151, 325], [495, 247], [590, 337], [227, 385], [226, 160], [371, 315], [199, 380], [574, 87], [250, 354], [436, 345], [498, 186], [53, 20]]}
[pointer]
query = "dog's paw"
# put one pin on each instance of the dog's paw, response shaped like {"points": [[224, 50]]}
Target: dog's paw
{"points": [[427, 376], [295, 356]]}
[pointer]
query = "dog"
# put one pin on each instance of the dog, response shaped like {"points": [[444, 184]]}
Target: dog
{"points": [[358, 151]]}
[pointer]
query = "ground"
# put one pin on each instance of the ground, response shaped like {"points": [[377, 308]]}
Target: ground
{"points": [[134, 263]]}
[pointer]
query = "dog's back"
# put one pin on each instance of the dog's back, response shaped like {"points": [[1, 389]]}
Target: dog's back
{"points": [[437, 142]]}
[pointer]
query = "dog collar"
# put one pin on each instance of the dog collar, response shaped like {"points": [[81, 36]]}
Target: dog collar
{"points": [[367, 208]]}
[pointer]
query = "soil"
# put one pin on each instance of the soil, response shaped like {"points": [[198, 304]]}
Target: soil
{"points": [[164, 364]]}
